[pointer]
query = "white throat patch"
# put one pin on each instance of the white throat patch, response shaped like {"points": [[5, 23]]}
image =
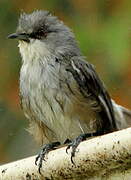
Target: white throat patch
{"points": [[33, 50]]}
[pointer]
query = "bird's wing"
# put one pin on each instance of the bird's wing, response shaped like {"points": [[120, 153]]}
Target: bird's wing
{"points": [[90, 83]]}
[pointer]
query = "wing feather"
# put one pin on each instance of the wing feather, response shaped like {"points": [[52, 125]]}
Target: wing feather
{"points": [[90, 83]]}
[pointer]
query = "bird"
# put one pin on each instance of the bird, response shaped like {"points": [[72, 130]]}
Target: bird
{"points": [[60, 91]]}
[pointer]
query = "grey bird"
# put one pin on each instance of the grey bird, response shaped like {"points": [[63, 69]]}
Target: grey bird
{"points": [[61, 93]]}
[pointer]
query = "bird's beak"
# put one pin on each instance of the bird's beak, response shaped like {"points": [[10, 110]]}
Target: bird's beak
{"points": [[19, 36]]}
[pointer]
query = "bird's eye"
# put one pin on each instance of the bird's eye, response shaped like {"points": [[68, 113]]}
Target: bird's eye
{"points": [[32, 35], [39, 34]]}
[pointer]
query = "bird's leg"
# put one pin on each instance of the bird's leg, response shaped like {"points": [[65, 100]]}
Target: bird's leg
{"points": [[74, 143], [67, 141], [45, 150]]}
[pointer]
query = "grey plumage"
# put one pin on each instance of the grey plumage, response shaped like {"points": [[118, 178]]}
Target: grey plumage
{"points": [[61, 94]]}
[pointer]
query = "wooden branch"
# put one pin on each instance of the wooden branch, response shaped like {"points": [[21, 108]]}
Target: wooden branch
{"points": [[104, 157]]}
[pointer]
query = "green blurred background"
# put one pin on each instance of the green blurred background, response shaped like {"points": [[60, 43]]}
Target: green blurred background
{"points": [[103, 29]]}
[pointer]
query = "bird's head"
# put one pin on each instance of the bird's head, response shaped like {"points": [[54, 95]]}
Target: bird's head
{"points": [[42, 29]]}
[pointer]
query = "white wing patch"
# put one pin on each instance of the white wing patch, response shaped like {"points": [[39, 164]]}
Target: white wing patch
{"points": [[75, 68]]}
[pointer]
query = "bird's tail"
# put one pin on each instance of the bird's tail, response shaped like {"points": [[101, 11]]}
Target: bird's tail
{"points": [[127, 114], [122, 116]]}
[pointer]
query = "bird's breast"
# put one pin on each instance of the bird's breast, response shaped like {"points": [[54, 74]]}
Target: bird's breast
{"points": [[55, 101]]}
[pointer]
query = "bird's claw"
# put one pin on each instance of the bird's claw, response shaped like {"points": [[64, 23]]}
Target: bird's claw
{"points": [[44, 151], [74, 144]]}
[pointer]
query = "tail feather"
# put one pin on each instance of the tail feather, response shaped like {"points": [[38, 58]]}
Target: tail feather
{"points": [[126, 114], [122, 116]]}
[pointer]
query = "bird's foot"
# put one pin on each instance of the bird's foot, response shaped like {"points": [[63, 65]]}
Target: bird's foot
{"points": [[74, 143], [44, 151]]}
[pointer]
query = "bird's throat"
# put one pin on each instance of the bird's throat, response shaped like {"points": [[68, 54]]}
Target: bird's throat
{"points": [[34, 50]]}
